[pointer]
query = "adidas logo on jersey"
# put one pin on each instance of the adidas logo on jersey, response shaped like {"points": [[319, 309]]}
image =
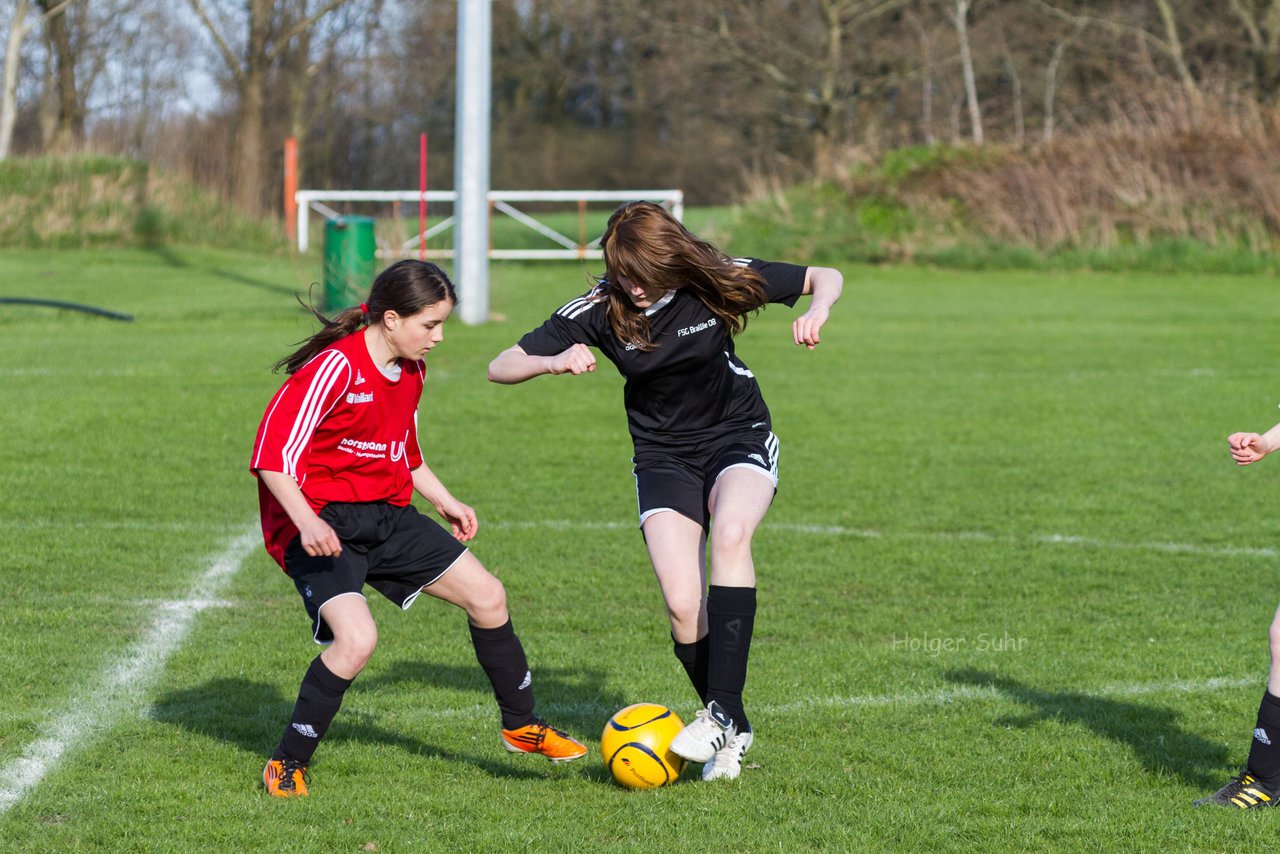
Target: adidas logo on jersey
{"points": [[1261, 735], [306, 730], [359, 378], [757, 458]]}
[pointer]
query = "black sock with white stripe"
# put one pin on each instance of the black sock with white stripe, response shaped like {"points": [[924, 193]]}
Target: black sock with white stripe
{"points": [[731, 616], [695, 658], [502, 657], [1264, 753], [319, 698]]}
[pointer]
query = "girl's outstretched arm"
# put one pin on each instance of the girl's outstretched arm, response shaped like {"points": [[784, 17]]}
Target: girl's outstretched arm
{"points": [[514, 365], [1250, 447]]}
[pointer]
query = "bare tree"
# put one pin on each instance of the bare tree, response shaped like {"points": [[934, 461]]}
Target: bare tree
{"points": [[266, 40], [1051, 78], [795, 56], [927, 82], [19, 28], [1261, 22], [66, 132], [958, 12], [1169, 45]]}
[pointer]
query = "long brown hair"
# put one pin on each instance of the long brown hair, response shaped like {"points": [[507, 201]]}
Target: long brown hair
{"points": [[645, 243], [406, 287]]}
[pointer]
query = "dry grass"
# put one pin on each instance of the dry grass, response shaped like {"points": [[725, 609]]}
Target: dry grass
{"points": [[1165, 171]]}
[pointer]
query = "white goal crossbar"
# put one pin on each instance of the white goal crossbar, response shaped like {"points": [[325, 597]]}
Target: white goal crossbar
{"points": [[500, 201]]}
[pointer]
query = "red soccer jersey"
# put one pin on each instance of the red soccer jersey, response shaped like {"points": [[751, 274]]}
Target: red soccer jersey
{"points": [[343, 431]]}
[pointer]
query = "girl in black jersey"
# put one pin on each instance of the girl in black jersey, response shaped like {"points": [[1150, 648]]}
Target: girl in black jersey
{"points": [[1258, 785], [665, 314]]}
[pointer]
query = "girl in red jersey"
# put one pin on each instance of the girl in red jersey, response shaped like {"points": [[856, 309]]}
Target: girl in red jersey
{"points": [[337, 460]]}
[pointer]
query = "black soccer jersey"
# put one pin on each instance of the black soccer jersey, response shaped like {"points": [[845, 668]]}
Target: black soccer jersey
{"points": [[690, 389]]}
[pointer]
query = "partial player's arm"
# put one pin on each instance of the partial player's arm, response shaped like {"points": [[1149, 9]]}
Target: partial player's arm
{"points": [[1250, 447], [461, 518], [514, 365], [825, 284], [317, 537]]}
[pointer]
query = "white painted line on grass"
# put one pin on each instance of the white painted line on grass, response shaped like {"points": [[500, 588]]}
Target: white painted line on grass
{"points": [[115, 525], [944, 536], [940, 696], [787, 527], [952, 693], [125, 685]]}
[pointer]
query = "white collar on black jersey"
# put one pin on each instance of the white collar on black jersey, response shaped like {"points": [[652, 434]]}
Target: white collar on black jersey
{"points": [[666, 298]]}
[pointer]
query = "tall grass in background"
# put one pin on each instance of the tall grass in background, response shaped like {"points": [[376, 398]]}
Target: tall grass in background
{"points": [[82, 202], [1176, 192]]}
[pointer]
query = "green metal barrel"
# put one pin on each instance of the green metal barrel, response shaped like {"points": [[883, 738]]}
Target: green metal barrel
{"points": [[349, 262]]}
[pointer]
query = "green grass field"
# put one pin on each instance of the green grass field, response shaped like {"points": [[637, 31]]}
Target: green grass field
{"points": [[1014, 594]]}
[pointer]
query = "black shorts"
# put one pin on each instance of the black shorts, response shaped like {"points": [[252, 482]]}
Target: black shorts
{"points": [[682, 481], [395, 550]]}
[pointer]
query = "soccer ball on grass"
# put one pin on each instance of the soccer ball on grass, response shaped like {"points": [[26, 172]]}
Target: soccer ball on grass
{"points": [[636, 746]]}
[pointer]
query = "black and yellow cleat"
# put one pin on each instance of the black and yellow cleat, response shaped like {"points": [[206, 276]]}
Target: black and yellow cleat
{"points": [[1244, 793], [285, 778]]}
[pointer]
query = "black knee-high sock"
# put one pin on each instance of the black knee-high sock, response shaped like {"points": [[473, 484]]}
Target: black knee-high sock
{"points": [[731, 615], [502, 657], [694, 656], [1264, 753], [318, 700]]}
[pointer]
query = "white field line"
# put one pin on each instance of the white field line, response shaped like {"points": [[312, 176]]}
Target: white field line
{"points": [[787, 527], [940, 696], [953, 693], [114, 525], [125, 684], [943, 536]]}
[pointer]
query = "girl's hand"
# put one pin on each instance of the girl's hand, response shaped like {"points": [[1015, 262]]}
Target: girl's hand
{"points": [[318, 539], [461, 519], [807, 326], [1247, 448], [576, 360]]}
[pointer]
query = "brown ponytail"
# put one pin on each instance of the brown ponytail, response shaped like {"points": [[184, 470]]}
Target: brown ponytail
{"points": [[406, 287]]}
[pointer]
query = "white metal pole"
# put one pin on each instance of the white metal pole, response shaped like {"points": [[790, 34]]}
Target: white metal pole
{"points": [[471, 159]]}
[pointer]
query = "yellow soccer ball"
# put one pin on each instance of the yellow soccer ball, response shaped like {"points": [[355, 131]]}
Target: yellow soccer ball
{"points": [[636, 746]]}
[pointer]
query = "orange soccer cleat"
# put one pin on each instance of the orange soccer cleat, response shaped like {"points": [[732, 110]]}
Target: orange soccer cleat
{"points": [[542, 739], [285, 778]]}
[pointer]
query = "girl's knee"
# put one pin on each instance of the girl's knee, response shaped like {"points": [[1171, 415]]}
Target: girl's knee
{"points": [[356, 647], [730, 536], [684, 611], [487, 604]]}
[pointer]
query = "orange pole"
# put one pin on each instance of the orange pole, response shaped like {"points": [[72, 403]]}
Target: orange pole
{"points": [[290, 187]]}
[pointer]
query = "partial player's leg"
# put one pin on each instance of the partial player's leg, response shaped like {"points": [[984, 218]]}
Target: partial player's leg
{"points": [[472, 588], [1259, 784], [722, 734], [672, 506], [320, 695]]}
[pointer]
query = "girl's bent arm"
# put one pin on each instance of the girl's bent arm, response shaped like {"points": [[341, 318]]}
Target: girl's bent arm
{"points": [[317, 537], [826, 284], [461, 518], [514, 365]]}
